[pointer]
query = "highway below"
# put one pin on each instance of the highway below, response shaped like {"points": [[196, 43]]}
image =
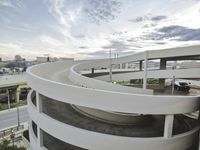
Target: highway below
{"points": [[8, 118]]}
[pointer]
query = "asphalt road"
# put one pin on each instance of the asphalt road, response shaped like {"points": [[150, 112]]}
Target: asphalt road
{"points": [[8, 118]]}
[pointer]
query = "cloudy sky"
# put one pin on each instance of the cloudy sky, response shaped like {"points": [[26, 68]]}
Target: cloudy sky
{"points": [[88, 28]]}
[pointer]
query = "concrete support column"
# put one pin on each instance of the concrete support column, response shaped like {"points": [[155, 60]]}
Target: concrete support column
{"points": [[120, 66], [38, 102], [163, 63], [145, 70], [123, 66], [126, 65], [92, 70], [140, 69], [40, 137], [175, 64], [17, 94], [8, 95], [168, 128], [140, 65], [163, 66], [39, 108]]}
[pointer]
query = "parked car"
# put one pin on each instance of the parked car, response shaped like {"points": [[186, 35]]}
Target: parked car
{"points": [[181, 86]]}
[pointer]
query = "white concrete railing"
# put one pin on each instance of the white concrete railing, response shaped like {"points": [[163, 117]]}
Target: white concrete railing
{"points": [[93, 140], [77, 78], [97, 84], [113, 101], [178, 73]]}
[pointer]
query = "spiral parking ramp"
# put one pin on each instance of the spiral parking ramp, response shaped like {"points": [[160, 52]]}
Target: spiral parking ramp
{"points": [[73, 104]]}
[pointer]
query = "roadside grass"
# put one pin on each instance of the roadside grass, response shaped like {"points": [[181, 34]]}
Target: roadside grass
{"points": [[2, 65], [7, 145], [122, 82]]}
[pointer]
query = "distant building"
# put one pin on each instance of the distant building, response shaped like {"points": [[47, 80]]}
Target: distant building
{"points": [[51, 59], [65, 58], [18, 58], [41, 59]]}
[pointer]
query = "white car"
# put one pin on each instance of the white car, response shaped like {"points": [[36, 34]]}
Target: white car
{"points": [[181, 86]]}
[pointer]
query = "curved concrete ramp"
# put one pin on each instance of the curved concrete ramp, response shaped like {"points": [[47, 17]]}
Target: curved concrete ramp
{"points": [[62, 92]]}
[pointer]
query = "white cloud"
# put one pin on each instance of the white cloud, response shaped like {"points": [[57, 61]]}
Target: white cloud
{"points": [[55, 8], [6, 3], [189, 17], [19, 28], [10, 46], [50, 41], [16, 4], [76, 24]]}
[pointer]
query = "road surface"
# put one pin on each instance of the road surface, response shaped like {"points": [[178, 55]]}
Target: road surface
{"points": [[8, 118]]}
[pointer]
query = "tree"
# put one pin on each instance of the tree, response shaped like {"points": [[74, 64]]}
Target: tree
{"points": [[5, 145]]}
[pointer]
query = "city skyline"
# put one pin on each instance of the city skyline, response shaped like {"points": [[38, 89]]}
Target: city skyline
{"points": [[88, 28]]}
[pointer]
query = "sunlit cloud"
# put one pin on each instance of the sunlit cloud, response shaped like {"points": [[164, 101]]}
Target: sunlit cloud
{"points": [[50, 41], [5, 3], [10, 46]]}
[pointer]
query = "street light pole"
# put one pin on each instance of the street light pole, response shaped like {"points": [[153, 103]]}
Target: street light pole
{"points": [[110, 72], [145, 70], [18, 121], [173, 82]]}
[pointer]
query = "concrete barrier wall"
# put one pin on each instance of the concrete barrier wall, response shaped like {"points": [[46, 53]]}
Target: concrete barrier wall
{"points": [[98, 141], [178, 73], [113, 101]]}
